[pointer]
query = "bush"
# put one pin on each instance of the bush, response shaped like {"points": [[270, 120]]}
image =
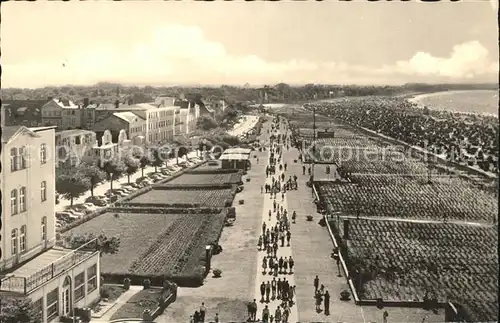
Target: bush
{"points": [[345, 295], [241, 201], [217, 273], [146, 283], [309, 218], [126, 283], [104, 292]]}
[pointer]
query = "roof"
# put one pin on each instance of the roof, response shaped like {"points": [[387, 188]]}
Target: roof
{"points": [[234, 157], [40, 262], [243, 151], [65, 104], [35, 129], [8, 132], [127, 116], [73, 132], [111, 106]]}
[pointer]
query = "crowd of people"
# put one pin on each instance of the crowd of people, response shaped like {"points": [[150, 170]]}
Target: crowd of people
{"points": [[462, 138]]}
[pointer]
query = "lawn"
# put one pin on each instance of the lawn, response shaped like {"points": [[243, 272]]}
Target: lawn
{"points": [[146, 299], [112, 292], [195, 196], [136, 232]]}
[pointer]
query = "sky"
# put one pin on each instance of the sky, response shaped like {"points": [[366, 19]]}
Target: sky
{"points": [[167, 43]]}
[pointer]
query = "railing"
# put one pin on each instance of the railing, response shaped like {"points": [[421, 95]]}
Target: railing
{"points": [[25, 285]]}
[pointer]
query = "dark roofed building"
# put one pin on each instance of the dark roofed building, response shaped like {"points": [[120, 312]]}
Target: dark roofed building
{"points": [[23, 112]]}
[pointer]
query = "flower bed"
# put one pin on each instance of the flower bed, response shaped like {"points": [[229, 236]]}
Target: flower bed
{"points": [[202, 178], [400, 261], [157, 246], [192, 196], [410, 198]]}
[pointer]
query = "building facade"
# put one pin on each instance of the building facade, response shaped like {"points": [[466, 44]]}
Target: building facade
{"points": [[133, 123], [63, 114], [74, 146], [57, 280]]}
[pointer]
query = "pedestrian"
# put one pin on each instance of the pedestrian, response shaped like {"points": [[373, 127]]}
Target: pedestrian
{"points": [[262, 291], [203, 312], [191, 319], [318, 301], [277, 314], [273, 288], [282, 238], [291, 263], [322, 289], [265, 314], [316, 284], [259, 243], [268, 291], [264, 226], [196, 317], [253, 314], [327, 303], [264, 265], [216, 318], [385, 316], [303, 169], [288, 237], [285, 265], [280, 264], [282, 196]]}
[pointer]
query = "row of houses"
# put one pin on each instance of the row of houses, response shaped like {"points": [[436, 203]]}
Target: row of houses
{"points": [[154, 122]]}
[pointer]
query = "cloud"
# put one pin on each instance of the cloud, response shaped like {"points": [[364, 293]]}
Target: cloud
{"points": [[466, 61], [177, 54]]}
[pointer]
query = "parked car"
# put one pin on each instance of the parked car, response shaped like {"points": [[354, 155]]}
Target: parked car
{"points": [[166, 172], [75, 213], [66, 216], [96, 200]]}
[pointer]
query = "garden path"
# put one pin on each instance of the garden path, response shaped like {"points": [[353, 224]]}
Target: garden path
{"points": [[118, 303]]}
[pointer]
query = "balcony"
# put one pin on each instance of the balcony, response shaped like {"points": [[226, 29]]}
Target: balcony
{"points": [[53, 262]]}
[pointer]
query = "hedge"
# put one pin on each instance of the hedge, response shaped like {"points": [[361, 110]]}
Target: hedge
{"points": [[163, 210], [167, 186]]}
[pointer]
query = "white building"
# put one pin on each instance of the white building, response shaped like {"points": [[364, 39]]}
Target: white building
{"points": [[57, 280]]}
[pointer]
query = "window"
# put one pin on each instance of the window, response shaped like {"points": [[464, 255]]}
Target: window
{"points": [[79, 286], [43, 191], [13, 202], [38, 309], [91, 279], [22, 199], [22, 239], [13, 242], [77, 140], [44, 228], [43, 153], [23, 155], [52, 304], [13, 159]]}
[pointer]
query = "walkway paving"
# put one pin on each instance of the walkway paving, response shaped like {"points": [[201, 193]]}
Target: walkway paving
{"points": [[123, 299], [282, 252]]}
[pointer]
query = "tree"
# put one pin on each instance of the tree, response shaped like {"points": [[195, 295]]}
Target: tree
{"points": [[72, 186], [206, 123], [93, 173], [106, 245], [156, 159], [18, 310], [131, 166], [113, 169], [144, 161]]}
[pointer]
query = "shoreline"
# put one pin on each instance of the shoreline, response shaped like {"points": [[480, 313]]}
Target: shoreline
{"points": [[416, 98]]}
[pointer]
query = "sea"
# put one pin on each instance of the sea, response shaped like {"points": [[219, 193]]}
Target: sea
{"points": [[476, 101]]}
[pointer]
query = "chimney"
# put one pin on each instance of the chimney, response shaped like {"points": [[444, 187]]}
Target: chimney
{"points": [[346, 229], [85, 102]]}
